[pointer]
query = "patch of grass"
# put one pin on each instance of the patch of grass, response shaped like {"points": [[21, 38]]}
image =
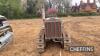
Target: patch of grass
{"points": [[83, 14]]}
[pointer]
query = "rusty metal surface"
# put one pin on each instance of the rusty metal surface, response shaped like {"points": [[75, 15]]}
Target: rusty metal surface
{"points": [[53, 28]]}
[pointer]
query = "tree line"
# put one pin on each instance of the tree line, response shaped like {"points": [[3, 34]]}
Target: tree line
{"points": [[13, 9]]}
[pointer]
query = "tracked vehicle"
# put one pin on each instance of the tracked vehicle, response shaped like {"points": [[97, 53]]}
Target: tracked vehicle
{"points": [[6, 32], [53, 30]]}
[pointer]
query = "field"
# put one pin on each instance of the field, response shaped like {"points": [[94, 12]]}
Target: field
{"points": [[84, 31]]}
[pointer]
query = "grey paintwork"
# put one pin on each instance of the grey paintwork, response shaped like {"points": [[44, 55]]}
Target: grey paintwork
{"points": [[7, 36]]}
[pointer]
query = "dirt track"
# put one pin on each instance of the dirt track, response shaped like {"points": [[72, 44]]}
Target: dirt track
{"points": [[83, 31]]}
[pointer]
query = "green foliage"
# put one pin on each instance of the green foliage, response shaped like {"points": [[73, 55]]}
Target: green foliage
{"points": [[3, 7], [10, 8], [62, 15], [13, 9], [83, 14]]}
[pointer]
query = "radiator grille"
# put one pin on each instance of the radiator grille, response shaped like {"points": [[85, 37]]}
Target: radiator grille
{"points": [[53, 29]]}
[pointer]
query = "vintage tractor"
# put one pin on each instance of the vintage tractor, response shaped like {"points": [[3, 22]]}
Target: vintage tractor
{"points": [[53, 30], [6, 32]]}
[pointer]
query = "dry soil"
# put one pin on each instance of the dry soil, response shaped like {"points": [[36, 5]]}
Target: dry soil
{"points": [[84, 31]]}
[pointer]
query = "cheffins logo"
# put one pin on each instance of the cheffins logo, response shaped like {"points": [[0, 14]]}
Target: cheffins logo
{"points": [[81, 49]]}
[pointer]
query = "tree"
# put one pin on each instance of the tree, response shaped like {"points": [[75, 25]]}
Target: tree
{"points": [[3, 7], [31, 6], [63, 6], [10, 8], [41, 7], [67, 6]]}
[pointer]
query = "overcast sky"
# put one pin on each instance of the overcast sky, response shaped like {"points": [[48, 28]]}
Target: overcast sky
{"points": [[78, 1]]}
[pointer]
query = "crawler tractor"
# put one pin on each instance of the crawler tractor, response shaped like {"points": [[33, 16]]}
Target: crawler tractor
{"points": [[53, 30], [6, 33]]}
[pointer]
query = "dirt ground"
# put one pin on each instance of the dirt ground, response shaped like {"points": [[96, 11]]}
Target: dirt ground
{"points": [[84, 31]]}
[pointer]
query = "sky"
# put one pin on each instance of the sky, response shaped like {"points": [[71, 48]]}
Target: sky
{"points": [[78, 2]]}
